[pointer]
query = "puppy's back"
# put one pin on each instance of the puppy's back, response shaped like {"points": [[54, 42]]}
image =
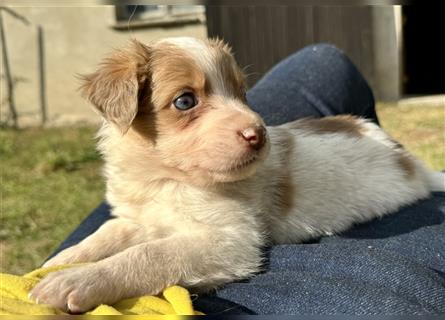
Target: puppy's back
{"points": [[344, 170]]}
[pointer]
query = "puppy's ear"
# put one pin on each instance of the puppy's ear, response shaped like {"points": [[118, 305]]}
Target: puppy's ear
{"points": [[114, 88]]}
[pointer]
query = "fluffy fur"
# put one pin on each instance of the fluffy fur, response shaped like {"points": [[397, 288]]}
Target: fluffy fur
{"points": [[197, 193]]}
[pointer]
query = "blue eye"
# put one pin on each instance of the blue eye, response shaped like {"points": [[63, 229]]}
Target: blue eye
{"points": [[186, 101]]}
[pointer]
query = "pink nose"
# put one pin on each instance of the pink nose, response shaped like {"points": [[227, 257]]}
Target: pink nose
{"points": [[255, 136]]}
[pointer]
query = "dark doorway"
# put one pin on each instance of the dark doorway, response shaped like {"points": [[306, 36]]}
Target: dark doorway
{"points": [[423, 50]]}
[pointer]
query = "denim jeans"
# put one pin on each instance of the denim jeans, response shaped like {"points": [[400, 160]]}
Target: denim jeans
{"points": [[394, 265]]}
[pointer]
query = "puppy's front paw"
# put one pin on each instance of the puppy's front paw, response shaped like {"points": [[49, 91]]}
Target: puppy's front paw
{"points": [[74, 290]]}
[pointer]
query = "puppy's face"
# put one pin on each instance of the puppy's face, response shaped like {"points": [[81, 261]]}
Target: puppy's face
{"points": [[184, 100]]}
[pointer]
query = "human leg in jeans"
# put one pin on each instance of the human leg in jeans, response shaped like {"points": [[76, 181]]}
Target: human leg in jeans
{"points": [[315, 82]]}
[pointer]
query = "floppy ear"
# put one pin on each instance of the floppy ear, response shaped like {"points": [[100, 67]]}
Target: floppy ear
{"points": [[114, 88]]}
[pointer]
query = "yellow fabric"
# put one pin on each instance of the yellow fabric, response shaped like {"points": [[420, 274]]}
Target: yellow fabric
{"points": [[14, 299]]}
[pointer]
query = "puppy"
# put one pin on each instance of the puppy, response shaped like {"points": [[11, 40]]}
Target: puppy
{"points": [[198, 185]]}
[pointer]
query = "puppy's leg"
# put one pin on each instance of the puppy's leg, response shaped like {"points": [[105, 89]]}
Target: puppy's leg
{"points": [[148, 268], [113, 236]]}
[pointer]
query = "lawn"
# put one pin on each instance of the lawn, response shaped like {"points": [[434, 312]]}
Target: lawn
{"points": [[51, 179]]}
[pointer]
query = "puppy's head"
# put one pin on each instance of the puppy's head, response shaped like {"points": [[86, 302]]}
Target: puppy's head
{"points": [[184, 100]]}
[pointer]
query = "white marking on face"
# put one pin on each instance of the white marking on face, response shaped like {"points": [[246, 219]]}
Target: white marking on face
{"points": [[205, 56]]}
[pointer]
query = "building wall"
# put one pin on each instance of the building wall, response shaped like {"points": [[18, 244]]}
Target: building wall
{"points": [[76, 38]]}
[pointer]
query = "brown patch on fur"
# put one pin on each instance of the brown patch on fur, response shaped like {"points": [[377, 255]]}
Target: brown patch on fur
{"points": [[285, 188], [336, 124], [173, 71], [407, 164], [397, 145], [114, 88], [286, 194], [228, 68], [144, 128]]}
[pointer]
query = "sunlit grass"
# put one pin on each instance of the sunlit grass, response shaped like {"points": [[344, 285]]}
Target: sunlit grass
{"points": [[50, 179]]}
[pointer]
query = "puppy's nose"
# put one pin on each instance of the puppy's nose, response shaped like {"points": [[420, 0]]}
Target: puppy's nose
{"points": [[255, 136]]}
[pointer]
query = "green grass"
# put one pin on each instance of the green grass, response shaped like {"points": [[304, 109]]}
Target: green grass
{"points": [[51, 179]]}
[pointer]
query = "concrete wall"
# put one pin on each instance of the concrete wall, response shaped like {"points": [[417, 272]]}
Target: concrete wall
{"points": [[75, 40]]}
